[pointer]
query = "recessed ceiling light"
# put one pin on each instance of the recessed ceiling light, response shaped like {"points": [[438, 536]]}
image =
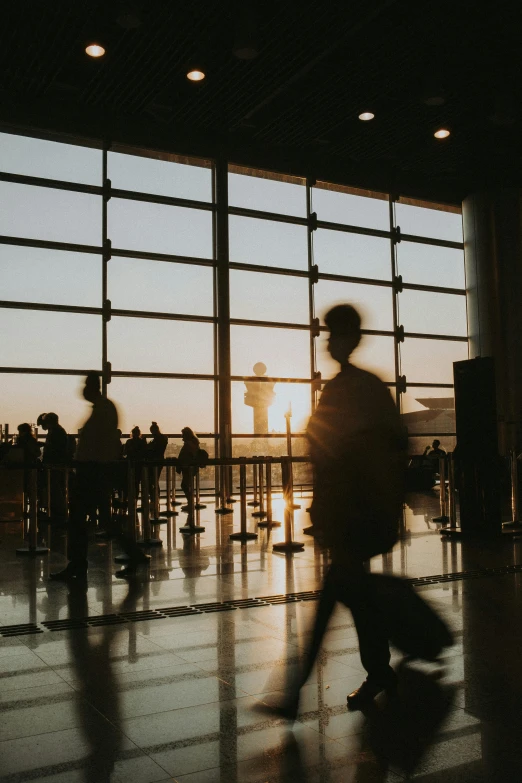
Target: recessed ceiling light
{"points": [[195, 75], [366, 115], [442, 133], [95, 50]]}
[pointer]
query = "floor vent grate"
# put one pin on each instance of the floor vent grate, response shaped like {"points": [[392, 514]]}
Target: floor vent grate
{"points": [[96, 621], [19, 630]]}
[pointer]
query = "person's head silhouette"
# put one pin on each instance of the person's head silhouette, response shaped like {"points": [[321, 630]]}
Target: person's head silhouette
{"points": [[92, 389], [344, 323], [136, 432], [154, 429]]}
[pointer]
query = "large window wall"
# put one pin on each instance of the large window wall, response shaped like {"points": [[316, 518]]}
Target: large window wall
{"points": [[109, 261]]}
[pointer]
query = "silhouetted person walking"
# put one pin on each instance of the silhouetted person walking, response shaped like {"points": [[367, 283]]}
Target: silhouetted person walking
{"points": [[357, 448], [188, 456], [98, 446]]}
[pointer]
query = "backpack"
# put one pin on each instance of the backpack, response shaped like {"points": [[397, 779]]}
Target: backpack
{"points": [[202, 458]]}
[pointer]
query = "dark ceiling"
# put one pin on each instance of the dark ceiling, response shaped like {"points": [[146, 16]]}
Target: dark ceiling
{"points": [[295, 106]]}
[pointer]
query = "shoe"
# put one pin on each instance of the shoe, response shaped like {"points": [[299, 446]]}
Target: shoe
{"points": [[286, 709], [309, 531], [362, 697], [70, 572]]}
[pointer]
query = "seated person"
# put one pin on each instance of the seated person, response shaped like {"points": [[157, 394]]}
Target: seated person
{"points": [[434, 451]]}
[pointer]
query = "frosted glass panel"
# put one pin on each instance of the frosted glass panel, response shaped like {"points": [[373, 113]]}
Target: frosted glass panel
{"points": [[265, 297], [425, 222], [426, 312], [50, 159], [353, 210], [430, 265], [31, 274], [268, 243], [157, 345], [430, 361], [158, 228], [267, 195], [353, 255], [160, 286], [49, 214], [54, 340], [162, 177]]}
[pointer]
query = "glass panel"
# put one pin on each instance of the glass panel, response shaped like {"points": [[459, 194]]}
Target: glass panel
{"points": [[157, 345], [374, 303], [161, 286], [335, 206], [158, 228], [268, 243], [55, 340], [248, 413], [424, 360], [430, 313], [417, 446], [431, 265], [159, 175], [50, 159], [353, 255], [265, 297], [266, 194], [49, 214], [174, 404], [428, 410], [32, 274], [24, 397], [374, 353], [285, 352], [426, 222]]}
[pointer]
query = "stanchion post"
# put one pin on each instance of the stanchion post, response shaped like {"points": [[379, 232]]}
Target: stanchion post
{"points": [[261, 491], [268, 522], [198, 505], [288, 545], [255, 496], [223, 492], [515, 516], [131, 518], [33, 549], [190, 528], [171, 493], [243, 534], [156, 519], [443, 517], [147, 539]]}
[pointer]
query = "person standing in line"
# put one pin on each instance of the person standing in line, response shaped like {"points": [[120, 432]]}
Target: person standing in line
{"points": [[135, 449], [56, 452], [98, 447], [155, 452], [188, 457], [358, 448]]}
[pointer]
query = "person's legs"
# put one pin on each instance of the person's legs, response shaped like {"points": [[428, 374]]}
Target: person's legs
{"points": [[85, 485], [351, 587]]}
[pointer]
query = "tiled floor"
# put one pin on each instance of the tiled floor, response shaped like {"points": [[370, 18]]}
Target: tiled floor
{"points": [[181, 699]]}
